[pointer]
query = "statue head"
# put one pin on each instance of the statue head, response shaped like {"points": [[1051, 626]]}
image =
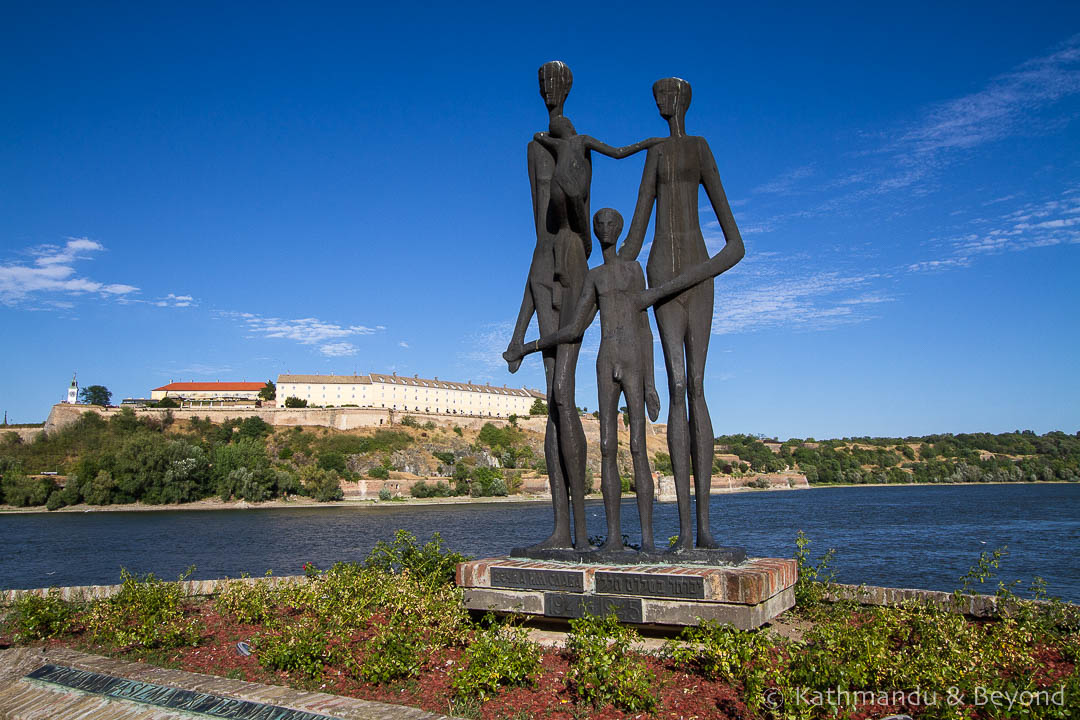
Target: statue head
{"points": [[561, 127], [607, 224], [555, 83], [672, 96]]}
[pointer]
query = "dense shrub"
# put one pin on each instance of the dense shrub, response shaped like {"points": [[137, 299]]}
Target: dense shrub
{"points": [[603, 671], [146, 613], [422, 490], [33, 617], [498, 656], [322, 485], [247, 602], [300, 646]]}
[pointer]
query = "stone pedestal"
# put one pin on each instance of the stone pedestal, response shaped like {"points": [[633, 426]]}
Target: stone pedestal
{"points": [[663, 596]]}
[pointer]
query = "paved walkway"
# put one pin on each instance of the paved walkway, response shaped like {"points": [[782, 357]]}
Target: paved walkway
{"points": [[22, 699]]}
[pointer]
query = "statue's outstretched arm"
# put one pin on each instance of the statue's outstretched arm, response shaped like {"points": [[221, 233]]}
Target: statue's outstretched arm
{"points": [[635, 237], [572, 331], [620, 152]]}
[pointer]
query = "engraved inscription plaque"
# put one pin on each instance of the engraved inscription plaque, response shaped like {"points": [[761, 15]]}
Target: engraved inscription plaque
{"points": [[565, 605], [688, 587], [532, 579], [166, 697]]}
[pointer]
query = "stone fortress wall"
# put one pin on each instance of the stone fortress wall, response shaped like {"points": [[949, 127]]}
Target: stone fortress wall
{"points": [[62, 415]]}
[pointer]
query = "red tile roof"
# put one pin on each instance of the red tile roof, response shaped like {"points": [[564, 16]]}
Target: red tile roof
{"points": [[212, 386]]}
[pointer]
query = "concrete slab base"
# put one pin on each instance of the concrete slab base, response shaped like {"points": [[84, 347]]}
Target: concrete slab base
{"points": [[26, 699], [661, 596]]}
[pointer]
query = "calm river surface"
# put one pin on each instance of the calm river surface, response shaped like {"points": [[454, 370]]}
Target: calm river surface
{"points": [[907, 536]]}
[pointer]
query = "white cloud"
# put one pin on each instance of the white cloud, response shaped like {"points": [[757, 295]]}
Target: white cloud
{"points": [[341, 349], [1034, 225], [769, 290], [53, 272], [403, 344], [1004, 107], [306, 331], [486, 346], [173, 300], [786, 182]]}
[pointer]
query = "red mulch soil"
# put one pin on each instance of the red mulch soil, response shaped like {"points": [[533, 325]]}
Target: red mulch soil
{"points": [[681, 695]]}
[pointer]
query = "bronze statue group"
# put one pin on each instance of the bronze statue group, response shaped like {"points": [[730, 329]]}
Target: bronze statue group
{"points": [[565, 296]]}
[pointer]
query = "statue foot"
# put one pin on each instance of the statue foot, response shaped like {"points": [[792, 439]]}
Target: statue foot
{"points": [[705, 540], [557, 540], [682, 544], [615, 546]]}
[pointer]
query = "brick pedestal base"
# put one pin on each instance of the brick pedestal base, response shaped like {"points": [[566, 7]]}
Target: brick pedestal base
{"points": [[746, 595]]}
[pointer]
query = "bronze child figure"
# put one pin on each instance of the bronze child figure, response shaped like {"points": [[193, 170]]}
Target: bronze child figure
{"points": [[624, 367]]}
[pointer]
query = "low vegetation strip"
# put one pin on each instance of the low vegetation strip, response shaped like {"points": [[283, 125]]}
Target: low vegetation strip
{"points": [[393, 629]]}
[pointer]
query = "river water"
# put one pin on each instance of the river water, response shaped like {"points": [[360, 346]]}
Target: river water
{"points": [[901, 536]]}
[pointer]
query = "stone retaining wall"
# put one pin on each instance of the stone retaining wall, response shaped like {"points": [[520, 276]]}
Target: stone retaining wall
{"points": [[979, 606], [25, 434], [63, 415], [190, 588]]}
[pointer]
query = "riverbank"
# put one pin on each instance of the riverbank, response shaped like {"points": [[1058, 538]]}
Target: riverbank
{"points": [[300, 502]]}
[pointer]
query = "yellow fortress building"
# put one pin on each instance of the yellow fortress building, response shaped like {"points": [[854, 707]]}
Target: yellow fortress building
{"points": [[407, 394]]}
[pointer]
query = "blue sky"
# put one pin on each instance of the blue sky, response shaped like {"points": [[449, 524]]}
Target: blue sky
{"points": [[208, 193]]}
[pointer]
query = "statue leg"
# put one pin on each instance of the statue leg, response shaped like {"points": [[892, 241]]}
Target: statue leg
{"points": [[643, 482], [607, 391], [700, 314], [557, 479], [571, 436], [671, 322]]}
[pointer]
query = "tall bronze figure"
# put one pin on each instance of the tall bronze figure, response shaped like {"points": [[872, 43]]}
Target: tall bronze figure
{"points": [[674, 170], [556, 275], [560, 194]]}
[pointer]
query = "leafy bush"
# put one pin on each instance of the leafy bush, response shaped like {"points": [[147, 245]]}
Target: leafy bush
{"points": [[247, 602], [539, 407], [392, 654], [428, 564], [146, 613], [301, 646], [813, 581], [410, 422], [498, 656], [603, 671], [423, 490], [322, 485], [332, 461], [487, 482], [379, 472], [22, 491], [385, 495], [295, 402], [722, 652], [33, 617], [255, 427]]}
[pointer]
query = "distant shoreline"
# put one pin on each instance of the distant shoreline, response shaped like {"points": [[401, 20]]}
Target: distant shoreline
{"points": [[373, 504]]}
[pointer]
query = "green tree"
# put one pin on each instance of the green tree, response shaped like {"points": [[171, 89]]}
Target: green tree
{"points": [[295, 402], [539, 407], [269, 391], [95, 395]]}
